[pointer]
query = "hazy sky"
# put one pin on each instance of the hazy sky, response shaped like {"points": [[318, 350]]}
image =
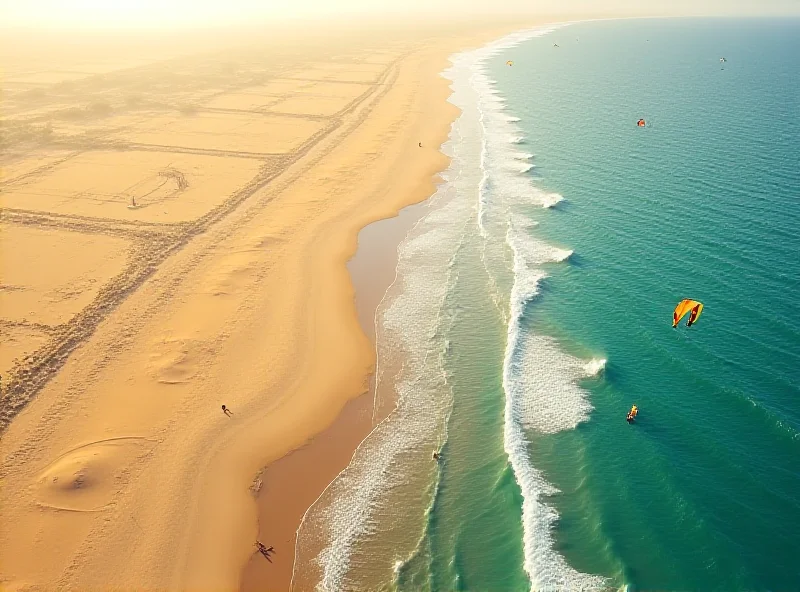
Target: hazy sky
{"points": [[169, 13]]}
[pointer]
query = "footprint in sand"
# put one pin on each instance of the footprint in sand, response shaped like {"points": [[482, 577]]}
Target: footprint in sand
{"points": [[232, 277], [172, 361], [86, 478]]}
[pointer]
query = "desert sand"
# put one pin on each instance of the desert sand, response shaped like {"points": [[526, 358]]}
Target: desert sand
{"points": [[174, 237]]}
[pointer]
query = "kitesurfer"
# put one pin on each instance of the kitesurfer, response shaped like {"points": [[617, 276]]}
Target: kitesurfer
{"points": [[632, 414], [227, 411], [641, 123]]}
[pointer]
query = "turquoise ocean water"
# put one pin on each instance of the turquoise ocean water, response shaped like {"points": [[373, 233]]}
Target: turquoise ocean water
{"points": [[533, 308]]}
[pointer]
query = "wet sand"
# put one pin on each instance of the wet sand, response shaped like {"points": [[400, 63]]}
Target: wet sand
{"points": [[374, 266], [290, 485], [286, 488]]}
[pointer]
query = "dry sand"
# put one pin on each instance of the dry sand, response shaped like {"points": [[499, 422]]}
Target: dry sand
{"points": [[226, 283]]}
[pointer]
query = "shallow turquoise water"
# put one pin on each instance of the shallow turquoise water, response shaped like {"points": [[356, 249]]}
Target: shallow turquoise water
{"points": [[473, 537], [703, 493]]}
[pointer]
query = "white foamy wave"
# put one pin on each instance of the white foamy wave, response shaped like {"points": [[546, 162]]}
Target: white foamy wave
{"points": [[410, 344], [551, 199], [530, 252], [524, 168], [594, 367], [562, 254], [522, 155], [540, 383], [355, 506], [544, 385], [512, 119], [547, 570], [518, 221], [404, 439]]}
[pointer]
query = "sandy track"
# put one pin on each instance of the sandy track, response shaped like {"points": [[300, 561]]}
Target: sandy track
{"points": [[158, 243]]}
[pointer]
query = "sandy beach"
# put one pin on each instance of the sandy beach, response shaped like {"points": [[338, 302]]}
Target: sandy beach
{"points": [[175, 236]]}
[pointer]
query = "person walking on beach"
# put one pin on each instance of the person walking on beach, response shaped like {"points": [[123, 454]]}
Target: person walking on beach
{"points": [[264, 550], [227, 411]]}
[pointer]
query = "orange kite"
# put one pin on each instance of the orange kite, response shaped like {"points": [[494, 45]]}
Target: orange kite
{"points": [[685, 306]]}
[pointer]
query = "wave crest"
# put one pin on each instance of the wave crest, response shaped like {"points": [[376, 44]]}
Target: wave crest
{"points": [[551, 199]]}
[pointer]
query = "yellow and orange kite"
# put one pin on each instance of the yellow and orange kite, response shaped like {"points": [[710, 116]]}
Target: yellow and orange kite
{"points": [[685, 306]]}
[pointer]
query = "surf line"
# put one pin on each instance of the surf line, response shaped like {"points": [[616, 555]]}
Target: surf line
{"points": [[529, 400]]}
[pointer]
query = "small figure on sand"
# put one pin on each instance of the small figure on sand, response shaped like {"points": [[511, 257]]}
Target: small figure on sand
{"points": [[420, 144], [264, 550], [436, 455], [227, 411]]}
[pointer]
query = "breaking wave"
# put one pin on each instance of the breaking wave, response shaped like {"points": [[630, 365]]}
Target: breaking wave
{"points": [[540, 381], [551, 199]]}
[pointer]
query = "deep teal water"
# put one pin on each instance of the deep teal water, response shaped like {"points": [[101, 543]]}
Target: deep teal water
{"points": [[703, 492]]}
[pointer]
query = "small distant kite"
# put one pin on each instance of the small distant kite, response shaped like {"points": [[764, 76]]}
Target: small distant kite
{"points": [[693, 307], [509, 63], [641, 123]]}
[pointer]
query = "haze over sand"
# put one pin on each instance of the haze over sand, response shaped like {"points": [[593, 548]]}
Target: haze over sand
{"points": [[176, 220], [178, 206], [175, 14]]}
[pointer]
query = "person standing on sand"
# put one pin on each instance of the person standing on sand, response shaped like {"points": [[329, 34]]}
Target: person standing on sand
{"points": [[264, 550], [227, 411]]}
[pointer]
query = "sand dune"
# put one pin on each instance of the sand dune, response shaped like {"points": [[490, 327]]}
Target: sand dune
{"points": [[224, 283]]}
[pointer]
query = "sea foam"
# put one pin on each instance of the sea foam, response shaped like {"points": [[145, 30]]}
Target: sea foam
{"points": [[410, 375], [542, 394], [329, 554], [541, 382]]}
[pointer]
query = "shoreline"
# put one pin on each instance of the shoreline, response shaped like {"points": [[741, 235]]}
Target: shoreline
{"points": [[330, 451], [356, 419], [256, 312], [353, 424]]}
